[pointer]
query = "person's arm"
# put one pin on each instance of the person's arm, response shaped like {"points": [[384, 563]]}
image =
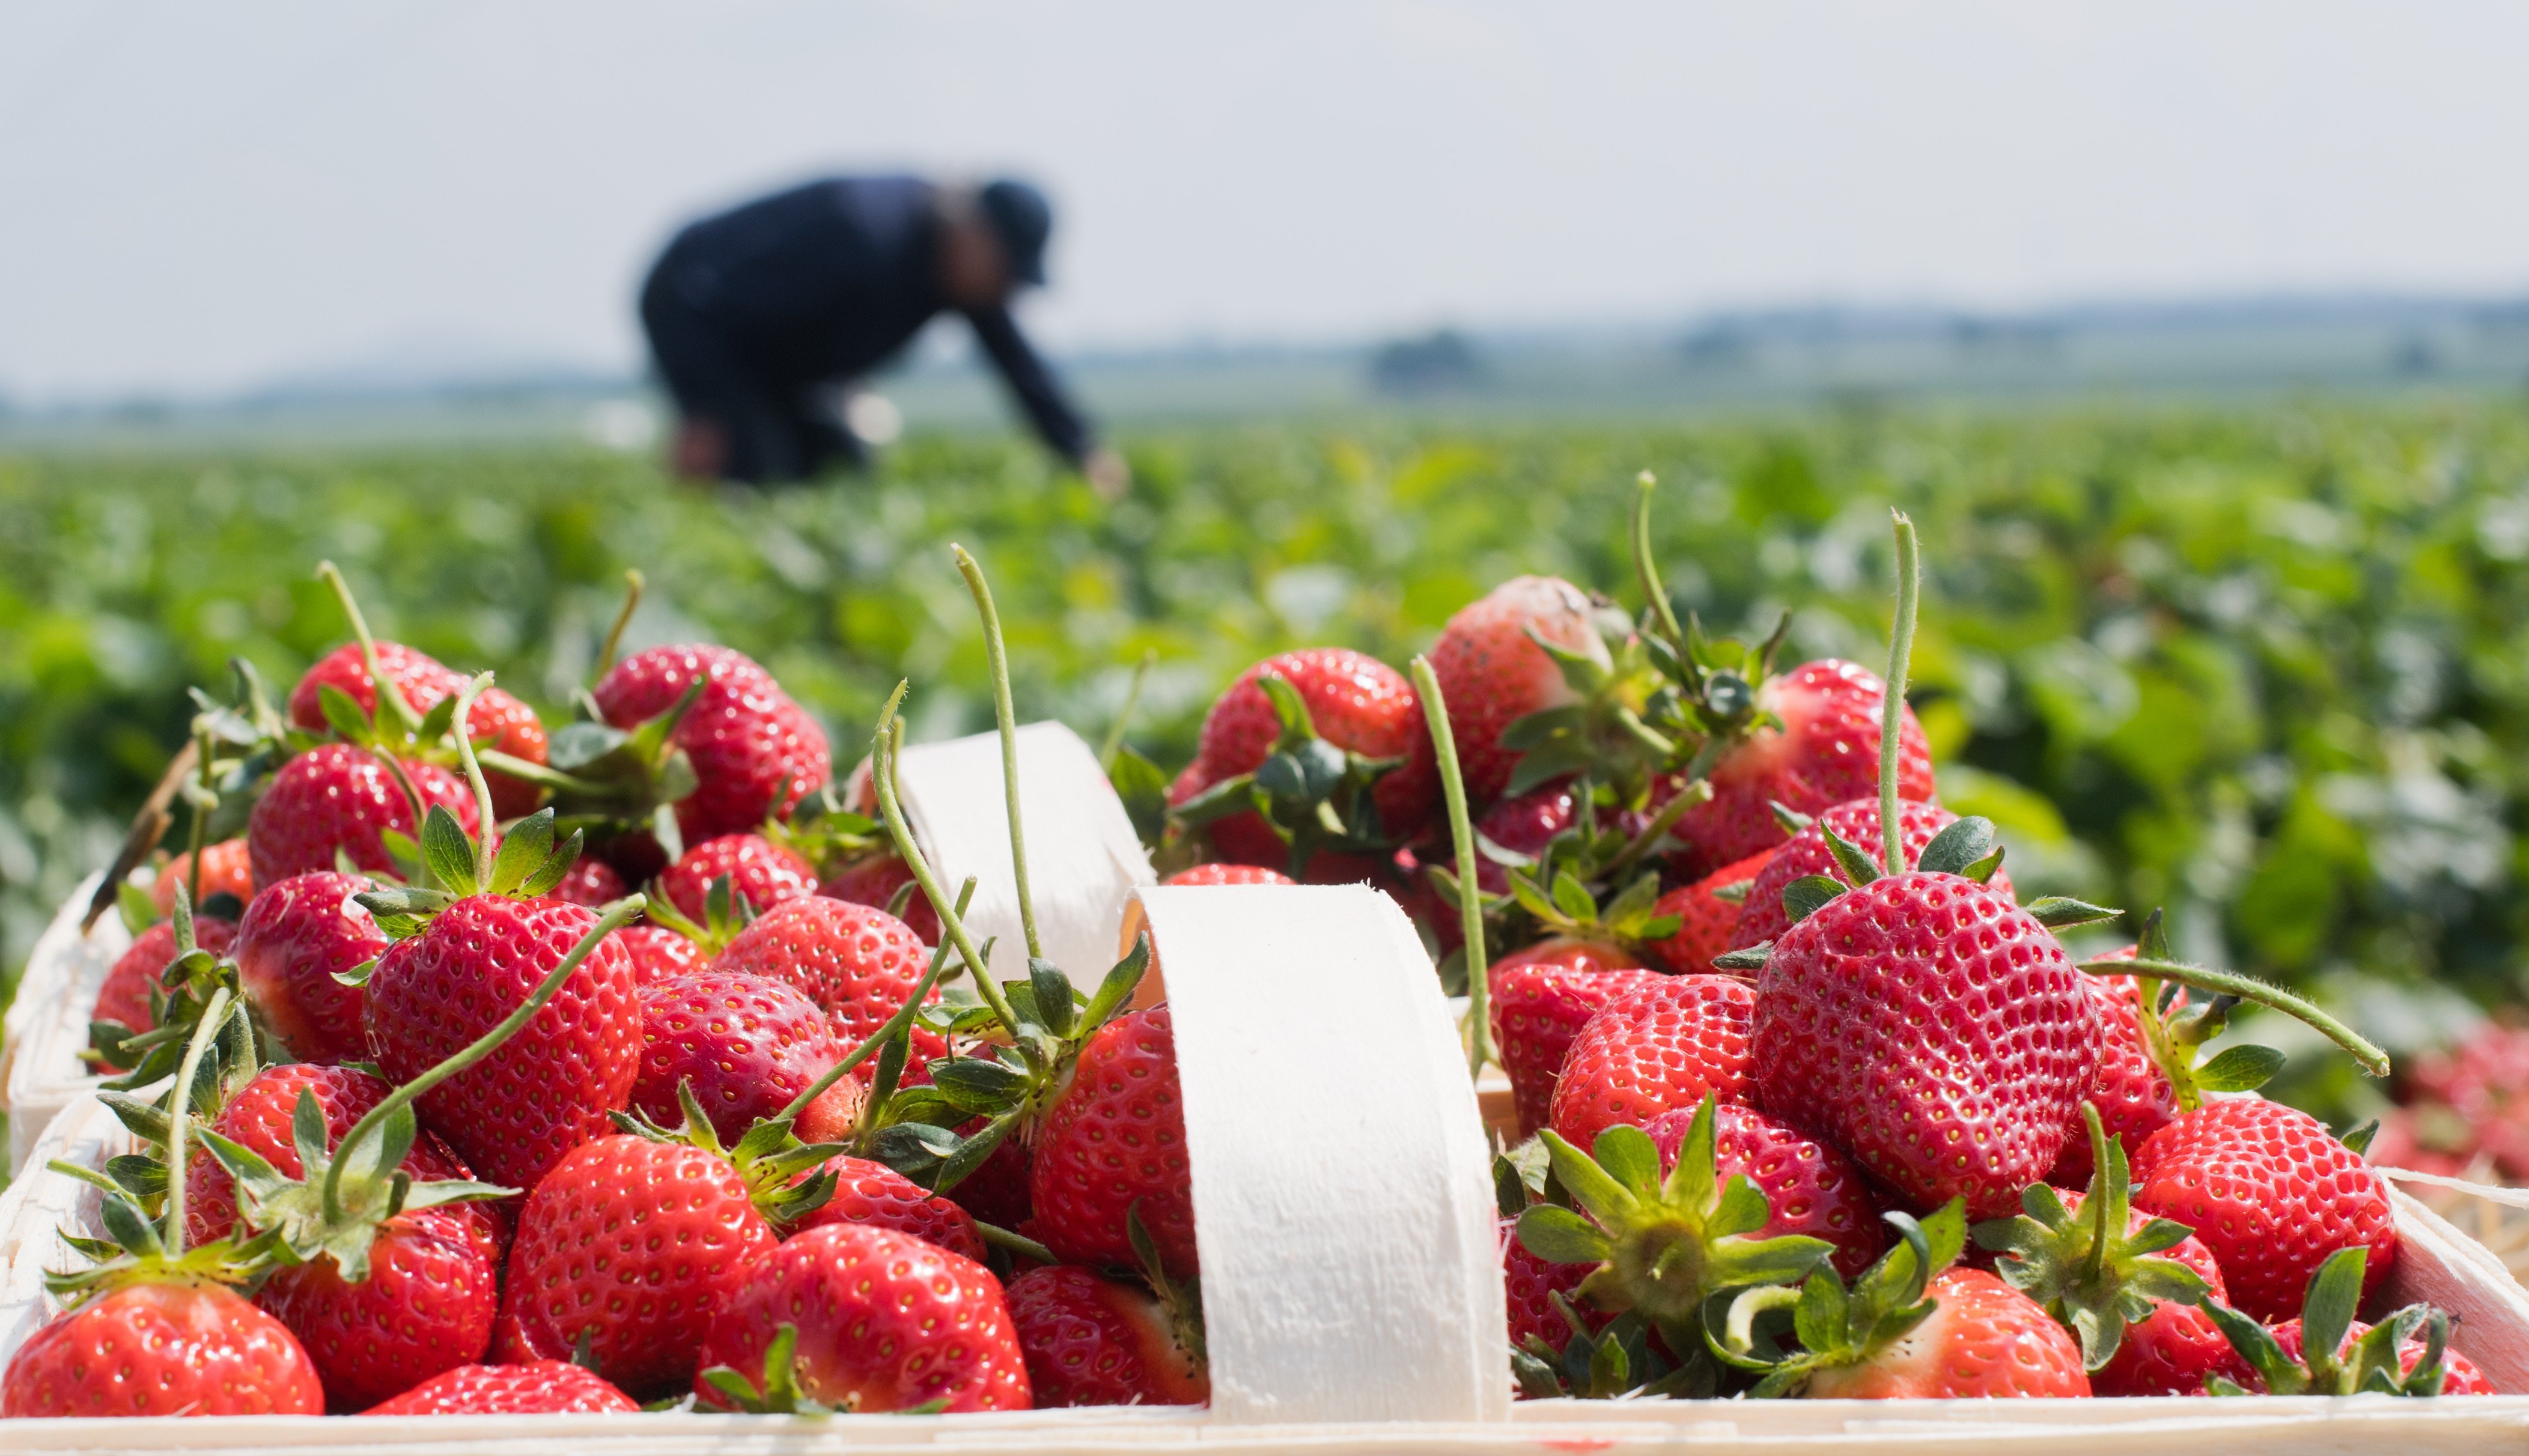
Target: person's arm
{"points": [[1061, 426]]}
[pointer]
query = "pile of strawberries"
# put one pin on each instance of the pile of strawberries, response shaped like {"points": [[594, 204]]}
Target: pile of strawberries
{"points": [[440, 1114]]}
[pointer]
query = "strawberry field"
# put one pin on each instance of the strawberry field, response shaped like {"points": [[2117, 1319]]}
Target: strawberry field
{"points": [[2265, 668]]}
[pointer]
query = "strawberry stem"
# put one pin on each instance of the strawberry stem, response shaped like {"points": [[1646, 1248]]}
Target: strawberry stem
{"points": [[880, 1038], [488, 842], [201, 800], [1002, 714], [389, 695], [214, 1011], [1892, 712], [1462, 834], [633, 584], [2249, 988], [615, 917], [1016, 1243], [1662, 608]]}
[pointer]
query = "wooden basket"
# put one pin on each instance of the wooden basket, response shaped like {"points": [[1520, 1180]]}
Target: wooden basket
{"points": [[46, 1029]]}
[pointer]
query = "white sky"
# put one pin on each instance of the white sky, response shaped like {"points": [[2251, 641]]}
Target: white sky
{"points": [[196, 197]]}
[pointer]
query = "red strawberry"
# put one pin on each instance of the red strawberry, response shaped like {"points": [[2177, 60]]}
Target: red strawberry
{"points": [[763, 871], [540, 1388], [425, 1306], [511, 726], [2172, 1350], [162, 1349], [659, 953], [591, 882], [1825, 754], [636, 1244], [884, 1322], [1983, 1340], [297, 936], [2132, 1092], [2271, 1193], [1228, 874], [856, 962], [1492, 674], [1934, 1030], [547, 1090], [875, 1194], [1666, 1045], [1760, 916], [1115, 1137], [1524, 824], [227, 869], [1704, 920], [338, 798], [1541, 998], [1357, 702], [747, 1045], [2460, 1376], [1530, 1284], [1092, 1340], [873, 881], [996, 1193], [745, 737], [1812, 1189], [125, 996]]}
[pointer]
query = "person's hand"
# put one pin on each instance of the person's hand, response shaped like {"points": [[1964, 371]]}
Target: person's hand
{"points": [[1107, 473], [699, 451]]}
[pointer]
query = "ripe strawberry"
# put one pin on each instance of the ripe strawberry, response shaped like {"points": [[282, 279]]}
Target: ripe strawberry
{"points": [[425, 1306], [1541, 998], [338, 798], [2132, 1092], [513, 1115], [884, 1321], [875, 1194], [1704, 920], [1492, 674], [1228, 874], [856, 962], [1531, 1282], [747, 1045], [636, 1245], [1876, 1024], [1826, 752], [1811, 1188], [227, 869], [1357, 702], [2271, 1193], [540, 1388], [1525, 824], [2460, 1377], [996, 1193], [297, 936], [763, 871], [2170, 1351], [746, 738], [125, 996], [1665, 1045], [592, 882], [508, 725], [659, 953], [162, 1349], [1092, 1340], [1115, 1137], [1983, 1340], [1760, 916], [873, 881]]}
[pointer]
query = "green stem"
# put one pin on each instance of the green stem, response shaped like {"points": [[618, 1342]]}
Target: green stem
{"points": [[617, 915], [633, 584], [486, 841], [202, 802], [2249, 988], [496, 761], [999, 663], [389, 695], [1695, 792], [896, 1024], [1661, 609], [883, 751], [214, 1011], [1462, 833], [1115, 743], [1016, 1243], [1892, 712]]}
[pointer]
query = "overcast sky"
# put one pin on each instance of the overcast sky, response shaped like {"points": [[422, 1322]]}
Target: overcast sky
{"points": [[198, 197]]}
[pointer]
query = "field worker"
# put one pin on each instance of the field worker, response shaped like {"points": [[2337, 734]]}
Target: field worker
{"points": [[761, 317]]}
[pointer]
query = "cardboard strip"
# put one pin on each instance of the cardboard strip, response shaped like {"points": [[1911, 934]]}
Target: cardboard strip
{"points": [[40, 1072], [2438, 1265], [1342, 1185]]}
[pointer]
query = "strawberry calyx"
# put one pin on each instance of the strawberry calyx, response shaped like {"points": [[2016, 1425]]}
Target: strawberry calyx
{"points": [[2092, 1274], [769, 1158], [180, 1001], [1828, 1326], [606, 777], [2173, 1034], [780, 1393], [726, 912], [1312, 795], [1583, 884], [1181, 1300], [2373, 1365]]}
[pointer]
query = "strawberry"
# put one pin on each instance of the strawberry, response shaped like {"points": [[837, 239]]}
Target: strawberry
{"points": [[856, 962], [337, 800], [874, 881], [2460, 1377], [747, 1045], [2407, 1353], [635, 1245], [296, 937], [540, 1388], [1228, 874], [873, 1193], [659, 953], [1541, 998], [1115, 1139], [997, 1192], [1812, 1189], [516, 1114], [1354, 702], [593, 883], [2271, 1193], [1762, 917], [863, 1319], [2132, 1092], [1705, 920], [162, 1349], [424, 1306], [1875, 1025], [1492, 673], [1825, 753], [1530, 1284], [1524, 824], [743, 735], [763, 871], [497, 720], [1092, 1340], [1983, 1340], [227, 869], [136, 973], [1665, 1045]]}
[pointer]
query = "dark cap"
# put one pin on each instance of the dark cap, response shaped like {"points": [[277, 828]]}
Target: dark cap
{"points": [[1022, 221]]}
